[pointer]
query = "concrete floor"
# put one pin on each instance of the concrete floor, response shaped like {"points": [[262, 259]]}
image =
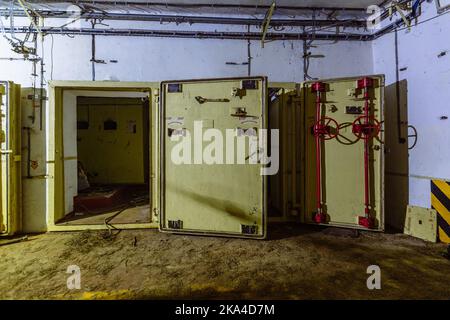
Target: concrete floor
{"points": [[139, 214], [297, 262]]}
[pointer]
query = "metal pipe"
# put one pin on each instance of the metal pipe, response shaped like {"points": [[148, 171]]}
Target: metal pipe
{"points": [[195, 34], [93, 58], [177, 19], [213, 35], [249, 54], [41, 89], [389, 28], [213, 20], [34, 75], [318, 157], [215, 5], [19, 59], [366, 156], [266, 23], [401, 138], [28, 129]]}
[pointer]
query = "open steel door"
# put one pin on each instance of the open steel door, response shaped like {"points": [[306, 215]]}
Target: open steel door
{"points": [[344, 150], [10, 146], [211, 176]]}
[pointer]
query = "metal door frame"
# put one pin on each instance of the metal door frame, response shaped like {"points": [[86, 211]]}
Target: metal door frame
{"points": [[55, 195]]}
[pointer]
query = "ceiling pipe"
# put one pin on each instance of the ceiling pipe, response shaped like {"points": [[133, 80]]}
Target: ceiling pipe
{"points": [[195, 34], [216, 35], [204, 5], [177, 19]]}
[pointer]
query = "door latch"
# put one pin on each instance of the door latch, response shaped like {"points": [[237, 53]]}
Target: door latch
{"points": [[202, 100]]}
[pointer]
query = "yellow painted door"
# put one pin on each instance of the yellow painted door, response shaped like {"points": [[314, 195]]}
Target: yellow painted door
{"points": [[3, 216], [10, 169], [210, 185]]}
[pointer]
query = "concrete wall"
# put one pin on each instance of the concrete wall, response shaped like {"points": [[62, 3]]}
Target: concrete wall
{"points": [[428, 95], [156, 59]]}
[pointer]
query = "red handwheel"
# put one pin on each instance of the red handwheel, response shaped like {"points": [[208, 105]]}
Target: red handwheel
{"points": [[326, 128], [366, 127]]}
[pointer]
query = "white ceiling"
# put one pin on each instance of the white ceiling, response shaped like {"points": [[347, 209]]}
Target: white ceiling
{"points": [[290, 3], [293, 3]]}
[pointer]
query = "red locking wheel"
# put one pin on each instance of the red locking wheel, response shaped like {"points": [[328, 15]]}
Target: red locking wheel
{"points": [[326, 128], [366, 127]]}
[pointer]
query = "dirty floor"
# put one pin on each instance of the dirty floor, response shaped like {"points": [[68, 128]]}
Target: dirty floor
{"points": [[137, 214], [296, 262]]}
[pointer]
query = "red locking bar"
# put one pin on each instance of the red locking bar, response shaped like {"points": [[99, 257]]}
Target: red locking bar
{"points": [[367, 220], [318, 88], [365, 83]]}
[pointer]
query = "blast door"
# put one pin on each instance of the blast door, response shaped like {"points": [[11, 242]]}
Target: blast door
{"points": [[211, 138]]}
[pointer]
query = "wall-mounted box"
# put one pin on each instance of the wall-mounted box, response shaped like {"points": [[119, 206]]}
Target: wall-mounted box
{"points": [[421, 223]]}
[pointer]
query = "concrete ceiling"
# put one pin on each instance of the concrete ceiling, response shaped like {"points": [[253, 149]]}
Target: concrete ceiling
{"points": [[290, 3], [281, 3]]}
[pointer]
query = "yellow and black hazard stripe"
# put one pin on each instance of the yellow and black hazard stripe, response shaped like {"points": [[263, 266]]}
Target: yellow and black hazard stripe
{"points": [[440, 201]]}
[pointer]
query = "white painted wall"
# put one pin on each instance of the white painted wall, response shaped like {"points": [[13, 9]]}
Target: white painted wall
{"points": [[428, 96], [156, 59]]}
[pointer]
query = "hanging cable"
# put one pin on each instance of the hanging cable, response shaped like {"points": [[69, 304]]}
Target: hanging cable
{"points": [[25, 9]]}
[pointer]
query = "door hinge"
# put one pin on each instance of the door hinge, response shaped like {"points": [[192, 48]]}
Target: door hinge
{"points": [[175, 224], [249, 229]]}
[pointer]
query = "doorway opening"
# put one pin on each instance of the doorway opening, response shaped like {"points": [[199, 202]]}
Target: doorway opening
{"points": [[107, 161]]}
